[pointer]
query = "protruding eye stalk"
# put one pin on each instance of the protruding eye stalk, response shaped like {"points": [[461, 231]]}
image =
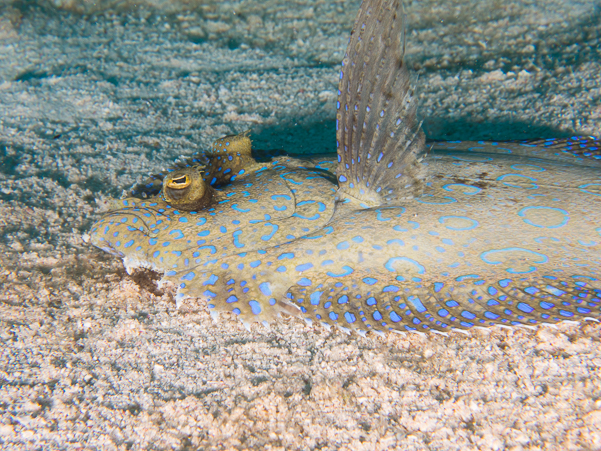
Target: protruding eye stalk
{"points": [[185, 189]]}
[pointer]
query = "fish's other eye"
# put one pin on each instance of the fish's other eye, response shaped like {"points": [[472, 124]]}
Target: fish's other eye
{"points": [[179, 182]]}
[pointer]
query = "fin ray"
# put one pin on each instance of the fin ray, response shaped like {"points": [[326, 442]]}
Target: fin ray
{"points": [[379, 140]]}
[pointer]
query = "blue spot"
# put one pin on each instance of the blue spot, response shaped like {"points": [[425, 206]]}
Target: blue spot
{"points": [[565, 313], [304, 282], [183, 219], [255, 307], [231, 299], [343, 299], [281, 269], [304, 267], [377, 316], [468, 315], [255, 263], [524, 307], [314, 298], [452, 304], [237, 243], [327, 262], [265, 288], [333, 316], [241, 210], [285, 255], [370, 280], [438, 286], [394, 317], [546, 305], [342, 246], [128, 244], [442, 312], [390, 288], [417, 303], [204, 233], [350, 318], [371, 301]]}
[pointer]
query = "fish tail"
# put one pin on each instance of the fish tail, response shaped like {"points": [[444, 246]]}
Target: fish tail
{"points": [[379, 140]]}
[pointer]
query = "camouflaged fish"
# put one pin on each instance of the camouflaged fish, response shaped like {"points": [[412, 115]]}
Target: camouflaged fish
{"points": [[385, 237]]}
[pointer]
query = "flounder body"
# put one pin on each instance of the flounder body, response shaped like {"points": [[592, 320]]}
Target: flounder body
{"points": [[383, 237]]}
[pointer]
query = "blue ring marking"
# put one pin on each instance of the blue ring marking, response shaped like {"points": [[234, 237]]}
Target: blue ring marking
{"points": [[201, 221], [379, 216], [422, 201], [152, 241], [388, 264], [523, 211], [536, 168], [532, 179], [475, 223], [274, 229], [178, 232], [265, 288], [586, 185], [211, 248], [314, 298], [588, 243], [485, 258], [448, 187], [347, 270], [282, 208], [417, 303], [241, 210], [237, 243], [255, 307]]}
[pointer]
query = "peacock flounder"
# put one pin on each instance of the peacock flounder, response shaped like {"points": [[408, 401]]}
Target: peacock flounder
{"points": [[386, 237]]}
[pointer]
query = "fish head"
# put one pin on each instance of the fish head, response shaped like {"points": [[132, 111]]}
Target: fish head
{"points": [[153, 233]]}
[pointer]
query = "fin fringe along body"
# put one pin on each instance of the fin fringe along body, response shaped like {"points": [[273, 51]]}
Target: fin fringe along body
{"points": [[379, 237]]}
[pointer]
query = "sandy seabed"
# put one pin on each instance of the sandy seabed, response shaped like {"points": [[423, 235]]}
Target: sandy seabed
{"points": [[94, 95]]}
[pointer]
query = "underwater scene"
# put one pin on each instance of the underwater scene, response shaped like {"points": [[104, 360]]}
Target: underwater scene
{"points": [[334, 225]]}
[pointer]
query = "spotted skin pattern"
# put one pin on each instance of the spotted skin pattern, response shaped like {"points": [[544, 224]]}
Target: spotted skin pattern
{"points": [[473, 234]]}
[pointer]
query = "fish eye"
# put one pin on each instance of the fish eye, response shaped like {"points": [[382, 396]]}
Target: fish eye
{"points": [[179, 182]]}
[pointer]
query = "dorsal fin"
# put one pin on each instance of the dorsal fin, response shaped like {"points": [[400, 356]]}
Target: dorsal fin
{"points": [[379, 140]]}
